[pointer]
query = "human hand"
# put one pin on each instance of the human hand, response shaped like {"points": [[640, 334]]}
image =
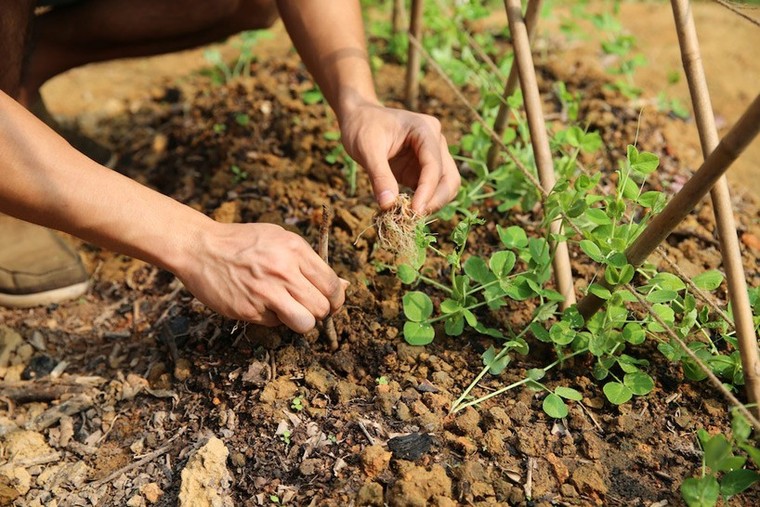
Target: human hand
{"points": [[397, 146], [263, 274]]}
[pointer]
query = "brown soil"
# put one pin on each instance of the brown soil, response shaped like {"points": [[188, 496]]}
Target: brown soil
{"points": [[154, 381]]}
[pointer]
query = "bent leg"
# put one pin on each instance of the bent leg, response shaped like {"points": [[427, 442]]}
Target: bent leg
{"points": [[15, 23], [94, 31]]}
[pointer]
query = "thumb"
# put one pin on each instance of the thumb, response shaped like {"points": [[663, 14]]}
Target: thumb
{"points": [[383, 181]]}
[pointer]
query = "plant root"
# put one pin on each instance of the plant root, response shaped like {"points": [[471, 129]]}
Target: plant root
{"points": [[397, 229]]}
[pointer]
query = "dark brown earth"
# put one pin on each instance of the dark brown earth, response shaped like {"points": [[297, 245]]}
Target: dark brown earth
{"points": [[151, 375]]}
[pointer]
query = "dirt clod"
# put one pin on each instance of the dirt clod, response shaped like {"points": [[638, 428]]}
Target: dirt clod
{"points": [[375, 460], [419, 487], [205, 478], [370, 495]]}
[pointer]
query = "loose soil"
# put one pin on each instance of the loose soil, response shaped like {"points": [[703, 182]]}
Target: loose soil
{"points": [[141, 394]]}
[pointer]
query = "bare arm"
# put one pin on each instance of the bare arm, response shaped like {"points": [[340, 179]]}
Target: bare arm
{"points": [[254, 272], [395, 146]]}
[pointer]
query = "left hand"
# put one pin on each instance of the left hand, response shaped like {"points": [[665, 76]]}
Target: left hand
{"points": [[397, 146]]}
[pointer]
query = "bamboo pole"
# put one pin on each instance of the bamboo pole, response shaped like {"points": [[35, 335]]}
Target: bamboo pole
{"points": [[728, 150], [721, 198], [540, 141], [500, 124], [413, 58], [397, 17]]}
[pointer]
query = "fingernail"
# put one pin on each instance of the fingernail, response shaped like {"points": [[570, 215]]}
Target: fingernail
{"points": [[385, 198]]}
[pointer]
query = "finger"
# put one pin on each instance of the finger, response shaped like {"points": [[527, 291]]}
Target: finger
{"points": [[426, 144], [268, 319], [324, 279], [448, 185], [292, 313], [384, 184], [311, 298]]}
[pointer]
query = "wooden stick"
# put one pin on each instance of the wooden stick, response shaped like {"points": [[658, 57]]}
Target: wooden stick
{"points": [[740, 13], [324, 235], [397, 17], [729, 149], [540, 140], [721, 199], [413, 58], [500, 124]]}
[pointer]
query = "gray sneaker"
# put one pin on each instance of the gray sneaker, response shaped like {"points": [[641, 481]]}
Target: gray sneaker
{"points": [[36, 266]]}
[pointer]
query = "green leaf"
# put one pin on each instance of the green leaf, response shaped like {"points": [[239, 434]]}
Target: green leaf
{"points": [[643, 162], [568, 393], [454, 325], [667, 281], [555, 407], [535, 374], [736, 481], [661, 296], [709, 280], [417, 306], [740, 428], [502, 263], [592, 250], [717, 449], [700, 491], [639, 383], [470, 317], [406, 274], [476, 268], [312, 96], [634, 334], [540, 332], [416, 333], [617, 393], [450, 306], [600, 291], [512, 237], [561, 334], [597, 216], [495, 364]]}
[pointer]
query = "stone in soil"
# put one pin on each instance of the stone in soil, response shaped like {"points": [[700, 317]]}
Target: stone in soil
{"points": [[205, 478], [23, 444]]}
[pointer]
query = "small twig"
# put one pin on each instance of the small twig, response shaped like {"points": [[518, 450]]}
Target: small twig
{"points": [[529, 479], [591, 416], [324, 247], [737, 11], [366, 433], [135, 464]]}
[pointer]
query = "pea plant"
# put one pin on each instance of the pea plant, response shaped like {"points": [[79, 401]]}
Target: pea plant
{"points": [[724, 466]]}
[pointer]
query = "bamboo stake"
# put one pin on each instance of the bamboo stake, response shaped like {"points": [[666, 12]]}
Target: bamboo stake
{"points": [[397, 16], [413, 58], [684, 201], [721, 198], [540, 140], [500, 124]]}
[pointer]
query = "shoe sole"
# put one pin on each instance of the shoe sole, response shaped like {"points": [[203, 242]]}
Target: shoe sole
{"points": [[44, 298]]}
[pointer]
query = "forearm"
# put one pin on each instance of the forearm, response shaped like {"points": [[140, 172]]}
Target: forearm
{"points": [[329, 36], [46, 181]]}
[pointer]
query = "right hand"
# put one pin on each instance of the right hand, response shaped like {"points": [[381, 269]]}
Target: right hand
{"points": [[262, 274]]}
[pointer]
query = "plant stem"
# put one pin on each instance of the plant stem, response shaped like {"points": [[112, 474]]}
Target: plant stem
{"points": [[436, 284], [458, 405]]}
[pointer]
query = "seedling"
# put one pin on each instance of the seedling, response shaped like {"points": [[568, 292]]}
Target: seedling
{"points": [[239, 174], [297, 404], [723, 466]]}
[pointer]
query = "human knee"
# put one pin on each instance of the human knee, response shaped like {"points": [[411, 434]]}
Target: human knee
{"points": [[256, 14]]}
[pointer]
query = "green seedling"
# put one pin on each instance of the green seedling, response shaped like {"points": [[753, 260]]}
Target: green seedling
{"points": [[724, 460], [338, 155], [239, 174], [297, 404]]}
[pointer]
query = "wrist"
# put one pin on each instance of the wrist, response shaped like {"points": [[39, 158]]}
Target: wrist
{"points": [[352, 100]]}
